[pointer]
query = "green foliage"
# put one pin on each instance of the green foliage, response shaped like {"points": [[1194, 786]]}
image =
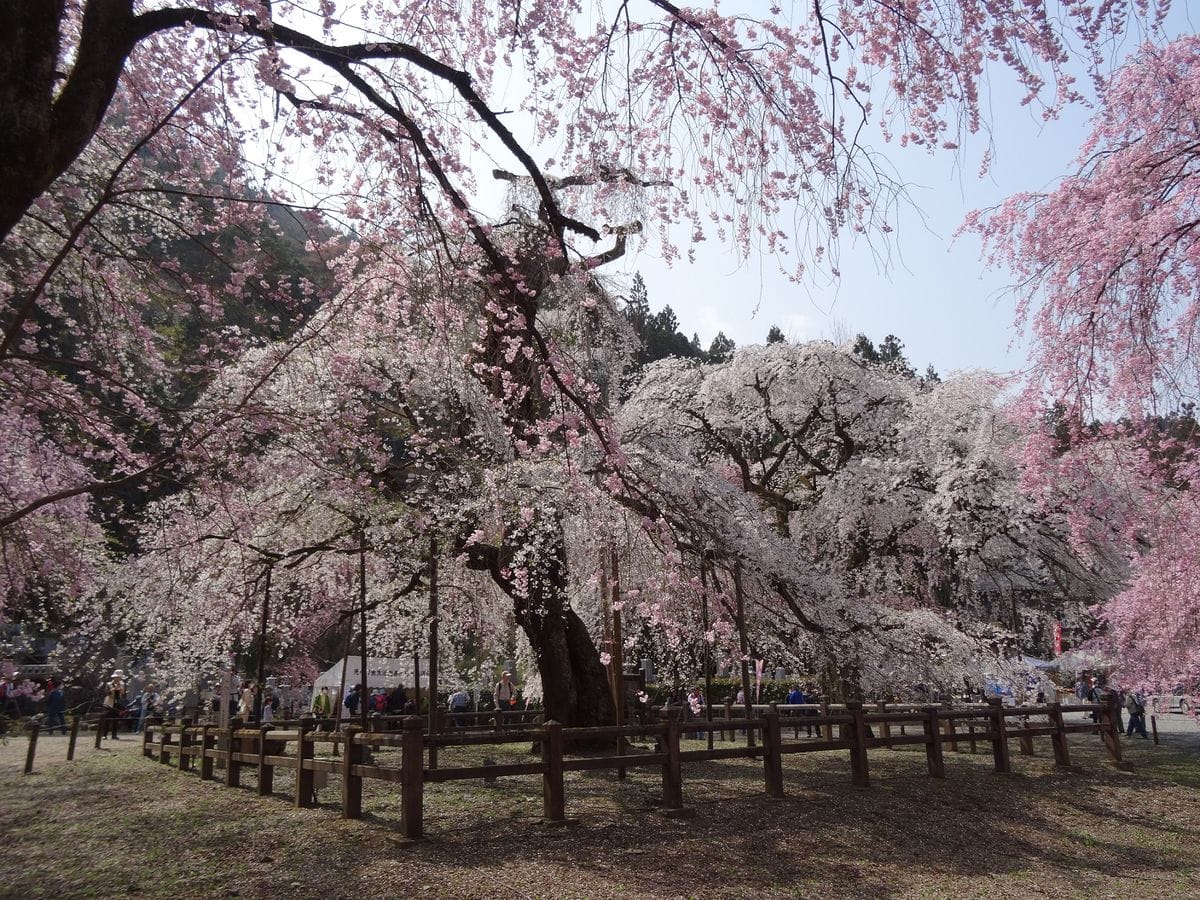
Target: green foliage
{"points": [[720, 349], [775, 335]]}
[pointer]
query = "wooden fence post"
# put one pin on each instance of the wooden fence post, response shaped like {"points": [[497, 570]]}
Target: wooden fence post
{"points": [[185, 741], [731, 735], [672, 773], [164, 748], [206, 760], [1108, 725], [933, 744], [147, 740], [100, 732], [412, 786], [999, 737], [233, 766], [304, 777], [828, 726], [75, 734], [1058, 738], [266, 772], [1154, 728], [859, 774], [351, 783], [885, 728], [772, 758], [34, 728], [553, 792], [971, 736]]}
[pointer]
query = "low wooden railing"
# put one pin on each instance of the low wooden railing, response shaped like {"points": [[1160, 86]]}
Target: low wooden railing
{"points": [[263, 748]]}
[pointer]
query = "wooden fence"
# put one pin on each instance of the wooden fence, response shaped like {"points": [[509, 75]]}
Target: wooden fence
{"points": [[264, 748]]}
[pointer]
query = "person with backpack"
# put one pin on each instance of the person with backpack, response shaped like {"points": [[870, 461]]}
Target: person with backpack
{"points": [[353, 698], [1136, 708]]}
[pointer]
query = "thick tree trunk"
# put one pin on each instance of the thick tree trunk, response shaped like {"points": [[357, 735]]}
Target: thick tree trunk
{"points": [[575, 685], [574, 682]]}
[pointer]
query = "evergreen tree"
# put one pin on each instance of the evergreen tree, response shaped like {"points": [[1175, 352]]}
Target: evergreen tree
{"points": [[720, 349]]}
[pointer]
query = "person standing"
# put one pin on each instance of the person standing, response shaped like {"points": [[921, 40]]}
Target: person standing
{"points": [[322, 706], [149, 706], [114, 699], [505, 694], [56, 707], [353, 698], [1136, 707], [460, 703], [246, 701]]}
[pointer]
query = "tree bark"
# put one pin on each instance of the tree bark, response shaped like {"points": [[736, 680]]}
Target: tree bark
{"points": [[575, 686]]}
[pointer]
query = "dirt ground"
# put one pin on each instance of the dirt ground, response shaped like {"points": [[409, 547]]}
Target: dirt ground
{"points": [[112, 824]]}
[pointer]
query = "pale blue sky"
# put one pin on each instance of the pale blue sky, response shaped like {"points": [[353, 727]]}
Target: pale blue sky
{"points": [[935, 294]]}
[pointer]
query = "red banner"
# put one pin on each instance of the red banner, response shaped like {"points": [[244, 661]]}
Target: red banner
{"points": [[1058, 638]]}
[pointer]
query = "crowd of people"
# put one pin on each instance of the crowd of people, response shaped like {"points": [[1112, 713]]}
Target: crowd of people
{"points": [[1090, 689]]}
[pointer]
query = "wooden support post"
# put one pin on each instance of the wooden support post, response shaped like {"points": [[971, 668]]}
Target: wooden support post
{"points": [[266, 772], [100, 732], [731, 734], [672, 770], [351, 783], [1025, 741], [885, 728], [412, 785], [164, 748], [971, 735], [34, 728], [185, 741], [950, 731], [1109, 717], [75, 734], [1153, 728], [147, 740], [206, 747], [553, 796], [999, 735], [828, 728], [305, 794], [233, 766], [435, 728], [772, 758], [933, 744], [859, 774], [1058, 737]]}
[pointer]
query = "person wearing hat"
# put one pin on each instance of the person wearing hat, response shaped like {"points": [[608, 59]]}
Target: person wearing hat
{"points": [[114, 699], [505, 693]]}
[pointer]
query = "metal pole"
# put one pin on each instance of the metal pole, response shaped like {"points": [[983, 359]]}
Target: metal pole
{"points": [[433, 646], [262, 642], [741, 622], [417, 669], [618, 658], [362, 624], [707, 650]]}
